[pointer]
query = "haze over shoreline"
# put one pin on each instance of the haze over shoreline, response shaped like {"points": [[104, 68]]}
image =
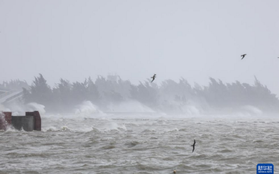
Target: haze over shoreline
{"points": [[112, 94]]}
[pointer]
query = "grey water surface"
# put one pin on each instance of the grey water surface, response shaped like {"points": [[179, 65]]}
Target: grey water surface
{"points": [[142, 144]]}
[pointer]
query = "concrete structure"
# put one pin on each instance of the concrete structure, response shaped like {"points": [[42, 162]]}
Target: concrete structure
{"points": [[31, 121], [37, 119], [23, 123]]}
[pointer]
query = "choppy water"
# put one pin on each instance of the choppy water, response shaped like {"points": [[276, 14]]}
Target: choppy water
{"points": [[116, 144]]}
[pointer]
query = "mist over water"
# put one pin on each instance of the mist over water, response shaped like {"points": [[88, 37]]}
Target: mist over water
{"points": [[114, 95]]}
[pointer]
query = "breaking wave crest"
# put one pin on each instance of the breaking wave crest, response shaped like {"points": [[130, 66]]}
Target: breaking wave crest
{"points": [[86, 109], [20, 109]]}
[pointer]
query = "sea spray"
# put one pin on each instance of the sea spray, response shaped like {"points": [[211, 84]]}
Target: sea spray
{"points": [[19, 108], [3, 122], [253, 110], [35, 107], [130, 107], [87, 108]]}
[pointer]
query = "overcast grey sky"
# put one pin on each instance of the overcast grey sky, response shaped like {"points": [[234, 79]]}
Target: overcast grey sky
{"points": [[194, 39]]}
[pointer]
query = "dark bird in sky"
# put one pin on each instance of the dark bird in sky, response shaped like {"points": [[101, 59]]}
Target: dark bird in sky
{"points": [[243, 55], [153, 78], [193, 146]]}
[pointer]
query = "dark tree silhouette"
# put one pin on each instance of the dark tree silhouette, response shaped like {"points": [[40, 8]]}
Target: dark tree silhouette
{"points": [[171, 96]]}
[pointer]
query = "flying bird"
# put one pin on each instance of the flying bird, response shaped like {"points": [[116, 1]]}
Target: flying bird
{"points": [[153, 78], [243, 55], [193, 146]]}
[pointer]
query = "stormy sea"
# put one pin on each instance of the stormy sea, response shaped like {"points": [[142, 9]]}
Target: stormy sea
{"points": [[141, 143]]}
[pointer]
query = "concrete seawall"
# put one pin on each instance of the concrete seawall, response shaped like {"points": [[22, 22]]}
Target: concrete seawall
{"points": [[37, 119], [31, 121], [23, 122]]}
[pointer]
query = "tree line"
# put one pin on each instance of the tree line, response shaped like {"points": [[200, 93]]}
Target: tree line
{"points": [[13, 85], [170, 96]]}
